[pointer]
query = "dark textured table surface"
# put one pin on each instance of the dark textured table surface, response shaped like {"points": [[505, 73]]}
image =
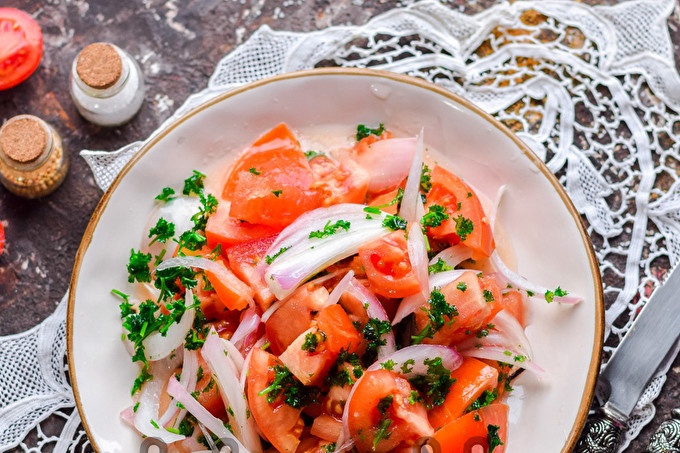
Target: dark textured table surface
{"points": [[178, 43]]}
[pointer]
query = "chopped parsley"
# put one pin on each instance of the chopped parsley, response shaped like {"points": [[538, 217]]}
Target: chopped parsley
{"points": [[373, 333], [434, 217], [464, 227], [311, 342], [270, 259], [439, 266], [328, 448], [437, 313], [435, 384], [342, 374], [277, 193], [461, 286], [425, 179], [550, 295], [363, 131], [162, 231], [385, 421], [166, 194], [295, 393], [194, 184], [488, 296], [330, 229], [167, 281], [311, 154], [487, 397], [394, 222], [138, 267], [492, 437], [254, 171]]}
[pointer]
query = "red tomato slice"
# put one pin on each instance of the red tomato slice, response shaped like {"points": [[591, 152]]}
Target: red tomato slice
{"points": [[271, 182], [280, 423], [21, 47], [458, 198], [339, 183], [513, 303], [228, 231], [475, 309], [471, 379], [388, 267], [293, 317], [340, 333], [310, 367], [461, 435], [2, 238], [243, 259], [232, 292], [370, 407]]}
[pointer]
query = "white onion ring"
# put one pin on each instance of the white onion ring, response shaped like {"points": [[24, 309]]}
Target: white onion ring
{"points": [[453, 255], [417, 255], [374, 309], [189, 369], [248, 325], [411, 208], [387, 162], [339, 290]]}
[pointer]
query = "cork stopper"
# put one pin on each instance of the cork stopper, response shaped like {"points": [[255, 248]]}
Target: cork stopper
{"points": [[23, 140], [99, 65]]}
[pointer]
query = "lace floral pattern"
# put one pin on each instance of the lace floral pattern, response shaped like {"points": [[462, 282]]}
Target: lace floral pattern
{"points": [[592, 90]]}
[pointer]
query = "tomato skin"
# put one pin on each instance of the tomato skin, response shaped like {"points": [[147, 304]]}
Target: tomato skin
{"points": [[232, 292], [345, 182], [21, 47], [340, 333], [408, 421], [280, 423], [388, 267], [471, 379], [461, 435], [227, 231], [447, 187], [271, 182], [513, 302]]}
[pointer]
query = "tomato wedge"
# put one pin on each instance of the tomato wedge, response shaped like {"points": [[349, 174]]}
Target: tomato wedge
{"points": [[345, 182], [21, 47], [271, 182], [462, 206], [280, 423], [381, 415], [243, 259], [388, 267], [479, 427]]}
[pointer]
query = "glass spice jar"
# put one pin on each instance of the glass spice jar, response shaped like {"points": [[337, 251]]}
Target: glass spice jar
{"points": [[32, 159], [107, 86]]}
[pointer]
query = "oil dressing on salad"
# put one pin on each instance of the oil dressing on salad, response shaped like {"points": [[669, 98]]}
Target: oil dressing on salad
{"points": [[325, 301]]}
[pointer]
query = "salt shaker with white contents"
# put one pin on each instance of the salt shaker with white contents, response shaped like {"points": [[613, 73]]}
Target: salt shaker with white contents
{"points": [[107, 85]]}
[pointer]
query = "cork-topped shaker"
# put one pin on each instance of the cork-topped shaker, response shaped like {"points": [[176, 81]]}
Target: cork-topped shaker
{"points": [[32, 159], [107, 85]]}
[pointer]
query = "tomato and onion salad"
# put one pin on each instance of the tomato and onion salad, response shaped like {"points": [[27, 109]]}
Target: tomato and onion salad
{"points": [[348, 299], [21, 46]]}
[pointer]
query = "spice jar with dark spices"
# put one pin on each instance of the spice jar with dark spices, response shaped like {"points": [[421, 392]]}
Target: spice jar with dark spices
{"points": [[32, 158]]}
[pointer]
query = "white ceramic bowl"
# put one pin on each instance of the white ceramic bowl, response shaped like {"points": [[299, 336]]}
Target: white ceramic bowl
{"points": [[550, 243]]}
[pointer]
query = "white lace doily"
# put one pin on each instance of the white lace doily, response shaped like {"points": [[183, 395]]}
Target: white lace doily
{"points": [[593, 90]]}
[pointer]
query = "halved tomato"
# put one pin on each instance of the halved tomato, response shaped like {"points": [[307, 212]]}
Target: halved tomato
{"points": [[467, 221], [21, 46], [280, 423], [382, 414], [388, 267], [271, 182]]}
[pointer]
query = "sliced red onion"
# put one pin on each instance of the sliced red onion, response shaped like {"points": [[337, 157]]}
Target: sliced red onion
{"points": [[214, 424], [339, 290], [415, 355], [216, 353], [387, 162], [235, 355], [146, 418], [128, 416], [410, 304], [187, 380], [223, 273], [246, 363], [411, 204], [158, 346], [517, 281], [494, 209], [374, 309], [248, 325], [507, 333], [417, 255], [453, 255], [499, 354], [304, 256]]}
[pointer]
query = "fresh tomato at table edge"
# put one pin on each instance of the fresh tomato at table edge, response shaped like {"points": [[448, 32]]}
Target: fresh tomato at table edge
{"points": [[31, 43]]}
